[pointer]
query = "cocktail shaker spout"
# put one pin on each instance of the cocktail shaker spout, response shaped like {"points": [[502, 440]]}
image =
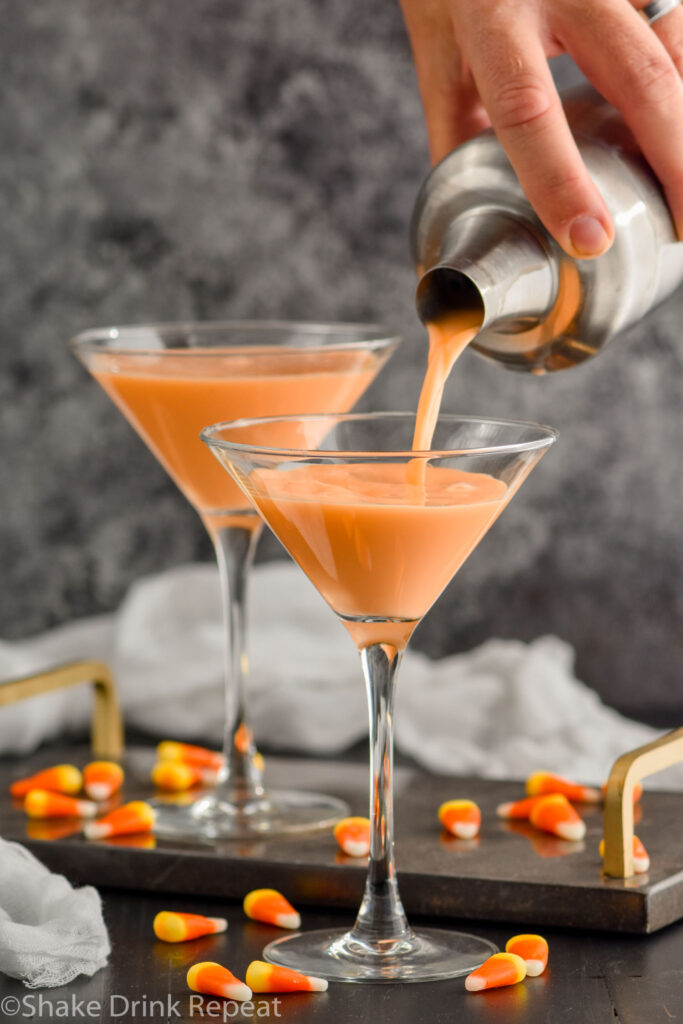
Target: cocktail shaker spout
{"points": [[477, 243], [493, 261]]}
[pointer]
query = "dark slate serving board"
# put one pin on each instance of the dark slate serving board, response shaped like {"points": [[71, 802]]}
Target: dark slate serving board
{"points": [[509, 873]]}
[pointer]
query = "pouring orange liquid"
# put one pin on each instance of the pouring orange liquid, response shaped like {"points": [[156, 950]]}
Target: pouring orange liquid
{"points": [[448, 339], [170, 398], [379, 548]]}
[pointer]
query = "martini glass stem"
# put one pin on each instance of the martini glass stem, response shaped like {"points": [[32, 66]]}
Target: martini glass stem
{"points": [[242, 782], [381, 920]]}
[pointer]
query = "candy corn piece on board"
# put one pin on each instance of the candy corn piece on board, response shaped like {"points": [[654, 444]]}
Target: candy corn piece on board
{"points": [[504, 869]]}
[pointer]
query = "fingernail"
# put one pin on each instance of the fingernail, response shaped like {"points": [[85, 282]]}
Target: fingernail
{"points": [[588, 237]]}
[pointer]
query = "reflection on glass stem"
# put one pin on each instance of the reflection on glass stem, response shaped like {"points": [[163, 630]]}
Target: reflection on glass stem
{"points": [[381, 919]]}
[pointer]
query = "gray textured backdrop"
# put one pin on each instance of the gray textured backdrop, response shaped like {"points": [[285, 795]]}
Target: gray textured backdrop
{"points": [[170, 159]]}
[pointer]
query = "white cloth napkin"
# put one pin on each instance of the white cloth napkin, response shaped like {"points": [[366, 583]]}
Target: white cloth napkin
{"points": [[49, 932], [502, 710]]}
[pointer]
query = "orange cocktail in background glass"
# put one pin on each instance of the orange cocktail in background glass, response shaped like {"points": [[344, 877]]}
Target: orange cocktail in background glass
{"points": [[169, 381]]}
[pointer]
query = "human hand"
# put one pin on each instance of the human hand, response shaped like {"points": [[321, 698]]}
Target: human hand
{"points": [[485, 62]]}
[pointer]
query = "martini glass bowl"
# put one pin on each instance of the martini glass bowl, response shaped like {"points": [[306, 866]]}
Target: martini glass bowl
{"points": [[380, 530], [169, 381]]}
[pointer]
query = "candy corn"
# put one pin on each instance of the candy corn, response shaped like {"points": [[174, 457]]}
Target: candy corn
{"points": [[243, 738], [263, 977], [61, 778], [637, 791], [101, 779], [533, 950], [353, 835], [518, 810], [270, 906], [500, 969], [462, 818], [214, 980], [137, 816], [641, 859], [545, 783], [176, 777], [200, 757], [41, 803], [174, 927], [556, 815]]}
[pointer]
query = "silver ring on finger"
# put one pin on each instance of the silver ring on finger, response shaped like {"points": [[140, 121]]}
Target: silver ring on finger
{"points": [[655, 10]]}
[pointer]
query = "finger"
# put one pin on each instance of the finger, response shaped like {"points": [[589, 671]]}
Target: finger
{"points": [[669, 30], [453, 110], [515, 84], [453, 113], [621, 55]]}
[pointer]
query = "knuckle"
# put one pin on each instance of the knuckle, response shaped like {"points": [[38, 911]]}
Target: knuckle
{"points": [[562, 186], [520, 101], [562, 196], [657, 79]]}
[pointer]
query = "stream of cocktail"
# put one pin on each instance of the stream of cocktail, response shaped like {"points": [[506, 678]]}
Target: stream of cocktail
{"points": [[380, 541]]}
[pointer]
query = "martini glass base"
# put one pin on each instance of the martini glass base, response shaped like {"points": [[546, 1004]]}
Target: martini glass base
{"points": [[428, 954], [279, 812]]}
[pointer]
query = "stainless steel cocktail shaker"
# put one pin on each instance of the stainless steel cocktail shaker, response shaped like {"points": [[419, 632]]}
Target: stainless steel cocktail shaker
{"points": [[476, 240]]}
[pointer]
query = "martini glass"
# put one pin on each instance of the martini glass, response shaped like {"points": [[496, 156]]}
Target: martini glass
{"points": [[169, 381], [380, 530]]}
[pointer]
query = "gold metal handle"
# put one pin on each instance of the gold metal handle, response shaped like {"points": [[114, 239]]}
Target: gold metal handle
{"points": [[626, 771], [107, 725]]}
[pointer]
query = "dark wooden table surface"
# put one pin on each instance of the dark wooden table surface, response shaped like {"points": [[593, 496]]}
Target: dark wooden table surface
{"points": [[593, 978]]}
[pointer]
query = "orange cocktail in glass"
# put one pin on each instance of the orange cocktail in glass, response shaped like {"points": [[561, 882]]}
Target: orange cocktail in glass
{"points": [[171, 380]]}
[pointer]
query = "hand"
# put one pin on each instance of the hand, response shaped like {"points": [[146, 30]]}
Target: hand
{"points": [[485, 62]]}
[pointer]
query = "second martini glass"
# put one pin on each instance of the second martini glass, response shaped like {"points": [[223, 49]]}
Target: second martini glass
{"points": [[380, 530], [169, 381]]}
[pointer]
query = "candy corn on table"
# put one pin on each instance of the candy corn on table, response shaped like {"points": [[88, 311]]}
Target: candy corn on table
{"points": [[510, 872], [592, 978]]}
